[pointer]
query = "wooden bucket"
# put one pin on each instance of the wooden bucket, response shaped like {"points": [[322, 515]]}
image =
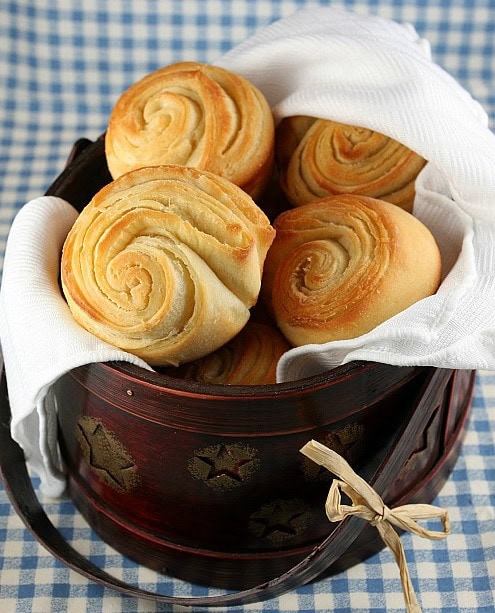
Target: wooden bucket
{"points": [[207, 483]]}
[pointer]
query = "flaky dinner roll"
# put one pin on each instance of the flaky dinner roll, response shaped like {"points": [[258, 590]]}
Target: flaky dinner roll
{"points": [[250, 358], [194, 115], [341, 265], [319, 157], [165, 263]]}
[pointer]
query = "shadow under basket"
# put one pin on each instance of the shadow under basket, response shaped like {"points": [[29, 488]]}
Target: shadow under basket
{"points": [[207, 483]]}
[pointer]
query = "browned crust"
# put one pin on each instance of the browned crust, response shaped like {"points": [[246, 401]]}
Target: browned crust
{"points": [[319, 157], [165, 262], [196, 115], [344, 264], [248, 359]]}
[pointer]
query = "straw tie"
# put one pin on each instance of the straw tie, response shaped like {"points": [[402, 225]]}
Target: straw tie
{"points": [[368, 505]]}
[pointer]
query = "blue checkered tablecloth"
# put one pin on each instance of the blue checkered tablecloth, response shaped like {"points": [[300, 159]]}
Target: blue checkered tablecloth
{"points": [[62, 65]]}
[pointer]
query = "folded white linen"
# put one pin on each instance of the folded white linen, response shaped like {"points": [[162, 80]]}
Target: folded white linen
{"points": [[40, 339], [378, 74], [327, 63]]}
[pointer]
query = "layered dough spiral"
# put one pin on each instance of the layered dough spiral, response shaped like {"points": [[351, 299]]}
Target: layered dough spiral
{"points": [[341, 265], [319, 157], [165, 263], [250, 358], [195, 115]]}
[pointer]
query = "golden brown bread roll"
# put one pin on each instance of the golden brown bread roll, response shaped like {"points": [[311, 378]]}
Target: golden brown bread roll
{"points": [[319, 157], [165, 263], [248, 359], [341, 265], [194, 115], [288, 134]]}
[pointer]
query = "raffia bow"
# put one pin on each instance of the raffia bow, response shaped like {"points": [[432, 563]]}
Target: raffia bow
{"points": [[368, 505]]}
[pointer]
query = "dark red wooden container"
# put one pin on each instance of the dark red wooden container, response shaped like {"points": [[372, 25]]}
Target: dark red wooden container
{"points": [[207, 483]]}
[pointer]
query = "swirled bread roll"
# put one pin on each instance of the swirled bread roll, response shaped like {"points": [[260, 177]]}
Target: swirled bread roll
{"points": [[341, 265], [250, 358], [194, 115], [319, 157], [165, 263]]}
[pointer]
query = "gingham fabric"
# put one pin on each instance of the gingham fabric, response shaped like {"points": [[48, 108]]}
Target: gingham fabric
{"points": [[62, 65]]}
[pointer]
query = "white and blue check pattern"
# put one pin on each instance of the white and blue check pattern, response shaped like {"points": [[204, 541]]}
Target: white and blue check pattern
{"points": [[63, 63]]}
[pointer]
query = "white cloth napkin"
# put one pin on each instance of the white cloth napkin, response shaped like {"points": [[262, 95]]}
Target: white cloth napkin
{"points": [[40, 339], [322, 62], [378, 74]]}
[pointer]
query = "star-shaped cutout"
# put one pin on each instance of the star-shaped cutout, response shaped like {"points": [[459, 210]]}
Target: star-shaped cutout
{"points": [[225, 465], [104, 453], [346, 442], [280, 519]]}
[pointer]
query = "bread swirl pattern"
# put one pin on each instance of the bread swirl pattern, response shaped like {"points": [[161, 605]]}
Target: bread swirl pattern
{"points": [[341, 265], [319, 157], [248, 359], [165, 263], [195, 115]]}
